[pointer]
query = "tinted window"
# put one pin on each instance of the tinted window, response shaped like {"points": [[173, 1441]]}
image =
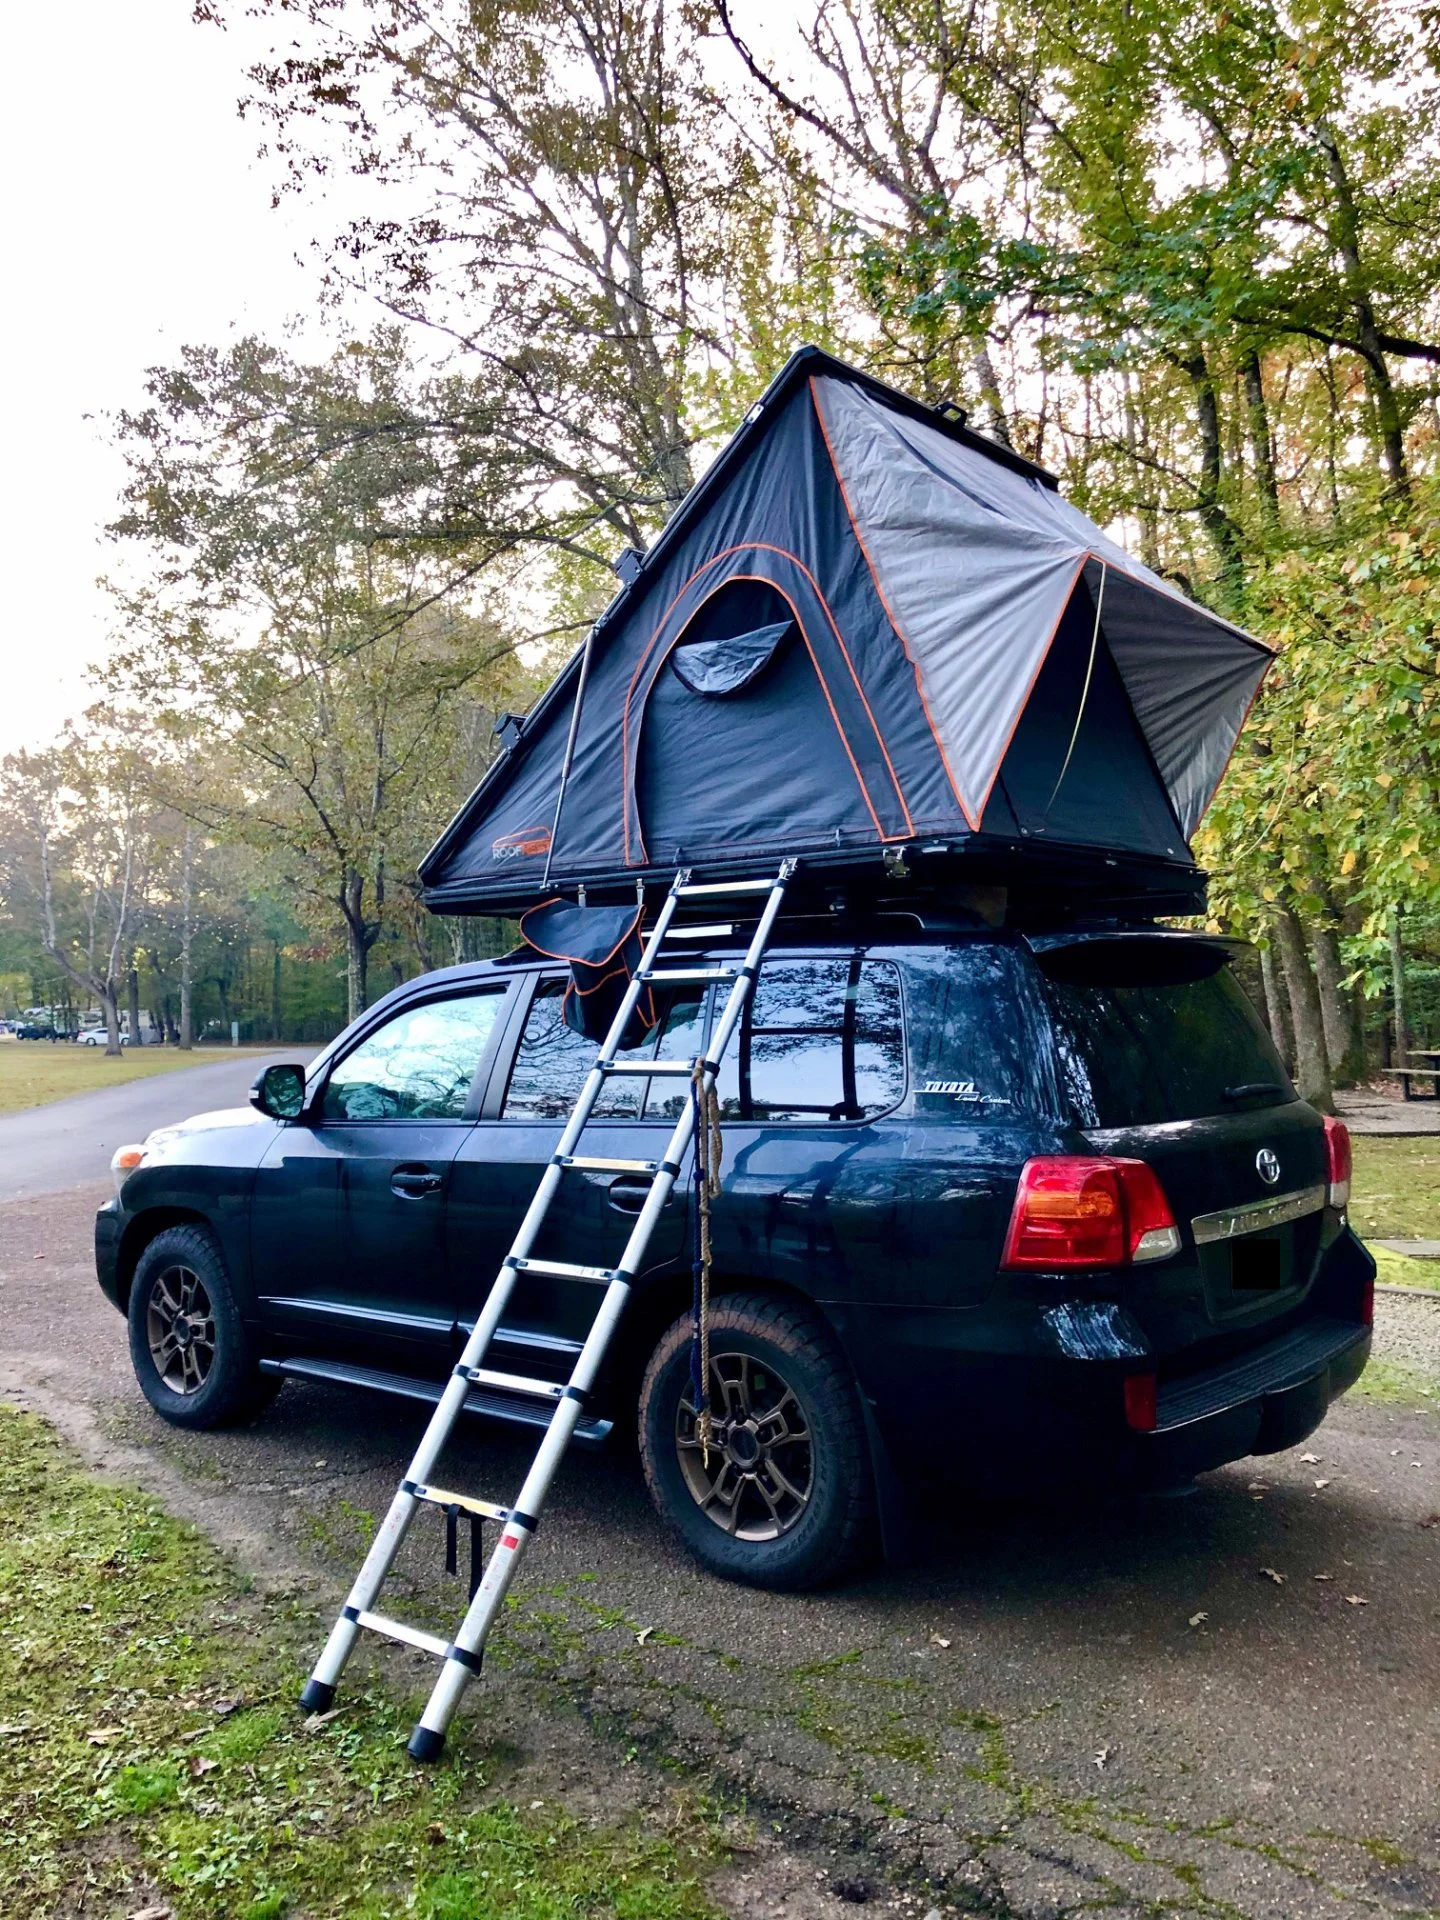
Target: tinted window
{"points": [[1135, 1051], [552, 1061], [977, 1033], [822, 1040], [418, 1066]]}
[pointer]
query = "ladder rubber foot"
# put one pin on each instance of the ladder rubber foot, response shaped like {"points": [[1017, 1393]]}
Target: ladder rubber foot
{"points": [[317, 1697], [425, 1746]]}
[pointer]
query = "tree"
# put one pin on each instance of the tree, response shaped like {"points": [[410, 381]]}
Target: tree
{"points": [[76, 840], [299, 632]]}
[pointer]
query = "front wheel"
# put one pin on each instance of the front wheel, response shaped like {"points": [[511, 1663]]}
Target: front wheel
{"points": [[190, 1349], [782, 1495]]}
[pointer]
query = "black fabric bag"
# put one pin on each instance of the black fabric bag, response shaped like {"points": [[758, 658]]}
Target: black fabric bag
{"points": [[602, 946]]}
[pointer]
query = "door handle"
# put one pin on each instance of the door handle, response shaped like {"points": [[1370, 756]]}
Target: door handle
{"points": [[414, 1182], [628, 1195]]}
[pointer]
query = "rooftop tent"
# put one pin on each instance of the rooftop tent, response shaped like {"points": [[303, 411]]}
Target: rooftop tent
{"points": [[866, 627]]}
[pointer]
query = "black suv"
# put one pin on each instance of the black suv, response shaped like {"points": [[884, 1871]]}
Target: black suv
{"points": [[1004, 1207]]}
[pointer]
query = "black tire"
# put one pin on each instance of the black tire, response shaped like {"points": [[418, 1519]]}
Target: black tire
{"points": [[806, 1403], [192, 1354]]}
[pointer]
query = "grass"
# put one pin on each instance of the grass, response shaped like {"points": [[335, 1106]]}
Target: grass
{"points": [[35, 1072], [1399, 1270], [151, 1752], [1395, 1194]]}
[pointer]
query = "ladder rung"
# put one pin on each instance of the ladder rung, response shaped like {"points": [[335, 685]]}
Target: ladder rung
{"points": [[514, 1383], [693, 973], [441, 1497], [642, 1067], [566, 1270], [721, 932], [598, 1165], [690, 892], [410, 1636]]}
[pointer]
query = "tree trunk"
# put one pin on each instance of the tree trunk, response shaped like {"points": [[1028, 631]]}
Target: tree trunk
{"points": [[1262, 451], [356, 970], [132, 984], [1343, 1041], [110, 1002], [275, 993], [1277, 1012], [984, 368], [1345, 234], [1213, 517], [1312, 1062], [187, 940], [1397, 992]]}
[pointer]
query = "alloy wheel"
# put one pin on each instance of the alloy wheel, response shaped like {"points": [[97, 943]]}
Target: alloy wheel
{"points": [[180, 1328], [757, 1481]]}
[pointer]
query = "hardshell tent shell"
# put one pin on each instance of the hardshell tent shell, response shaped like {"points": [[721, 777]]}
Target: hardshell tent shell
{"points": [[865, 627]]}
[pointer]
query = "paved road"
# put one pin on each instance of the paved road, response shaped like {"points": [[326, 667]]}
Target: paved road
{"points": [[45, 1149], [1062, 1708]]}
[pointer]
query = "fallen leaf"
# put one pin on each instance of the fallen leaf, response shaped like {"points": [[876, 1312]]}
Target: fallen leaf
{"points": [[98, 1736], [222, 1707], [10, 1731], [643, 1635], [322, 1463], [1271, 1574], [1356, 1600], [1321, 1483], [152, 1913], [1198, 1619], [1309, 1459], [318, 1720], [1258, 1486], [535, 1805], [1431, 1520], [435, 1833], [1102, 1758], [199, 1764], [936, 1640], [1322, 1576]]}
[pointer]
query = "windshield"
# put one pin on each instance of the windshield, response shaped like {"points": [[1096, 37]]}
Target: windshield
{"points": [[1149, 1030]]}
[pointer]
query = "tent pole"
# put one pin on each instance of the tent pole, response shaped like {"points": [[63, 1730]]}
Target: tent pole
{"points": [[569, 752]]}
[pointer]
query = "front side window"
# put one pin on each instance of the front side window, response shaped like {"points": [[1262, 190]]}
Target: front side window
{"points": [[552, 1061], [822, 1040], [418, 1066]]}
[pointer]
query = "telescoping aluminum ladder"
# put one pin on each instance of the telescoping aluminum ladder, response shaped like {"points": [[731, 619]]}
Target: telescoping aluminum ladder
{"points": [[461, 1657]]}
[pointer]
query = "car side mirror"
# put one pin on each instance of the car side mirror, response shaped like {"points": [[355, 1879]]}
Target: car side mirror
{"points": [[280, 1092]]}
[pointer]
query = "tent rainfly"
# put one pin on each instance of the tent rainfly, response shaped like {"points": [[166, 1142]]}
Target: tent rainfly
{"points": [[865, 628]]}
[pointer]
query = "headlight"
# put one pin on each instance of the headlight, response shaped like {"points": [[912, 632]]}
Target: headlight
{"points": [[123, 1163]]}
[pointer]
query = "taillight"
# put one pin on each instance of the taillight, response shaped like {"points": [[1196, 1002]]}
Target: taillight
{"points": [[1074, 1210], [1141, 1410], [1338, 1160]]}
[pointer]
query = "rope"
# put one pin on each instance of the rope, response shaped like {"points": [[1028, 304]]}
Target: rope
{"points": [[705, 1179], [1084, 694]]}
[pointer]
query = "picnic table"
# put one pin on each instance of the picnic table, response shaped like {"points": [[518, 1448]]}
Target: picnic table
{"points": [[1411, 1071]]}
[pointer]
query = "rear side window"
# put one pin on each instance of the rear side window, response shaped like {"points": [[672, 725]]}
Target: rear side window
{"points": [[552, 1061], [822, 1040], [977, 1034], [1146, 1033]]}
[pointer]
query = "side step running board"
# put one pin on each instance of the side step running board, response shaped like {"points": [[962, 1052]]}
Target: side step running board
{"points": [[403, 1386]]}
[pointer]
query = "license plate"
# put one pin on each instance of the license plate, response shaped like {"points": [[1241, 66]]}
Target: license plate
{"points": [[1255, 1265]]}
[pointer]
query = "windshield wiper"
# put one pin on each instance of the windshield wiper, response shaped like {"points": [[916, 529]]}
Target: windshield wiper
{"points": [[1250, 1090]]}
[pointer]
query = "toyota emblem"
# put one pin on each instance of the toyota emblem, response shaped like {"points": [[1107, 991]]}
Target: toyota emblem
{"points": [[1267, 1165]]}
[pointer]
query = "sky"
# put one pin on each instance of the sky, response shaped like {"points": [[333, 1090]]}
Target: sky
{"points": [[136, 219]]}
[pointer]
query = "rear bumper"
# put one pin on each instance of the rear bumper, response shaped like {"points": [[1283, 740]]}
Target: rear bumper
{"points": [[987, 1401]]}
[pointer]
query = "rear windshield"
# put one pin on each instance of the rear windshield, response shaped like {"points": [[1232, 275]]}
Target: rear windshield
{"points": [[1149, 1031]]}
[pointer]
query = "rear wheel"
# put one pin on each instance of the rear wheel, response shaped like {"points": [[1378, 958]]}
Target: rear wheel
{"points": [[190, 1349], [782, 1495]]}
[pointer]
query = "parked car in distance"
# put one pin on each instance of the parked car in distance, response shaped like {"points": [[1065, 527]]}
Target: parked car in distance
{"points": [[97, 1037], [35, 1030], [1000, 1209]]}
